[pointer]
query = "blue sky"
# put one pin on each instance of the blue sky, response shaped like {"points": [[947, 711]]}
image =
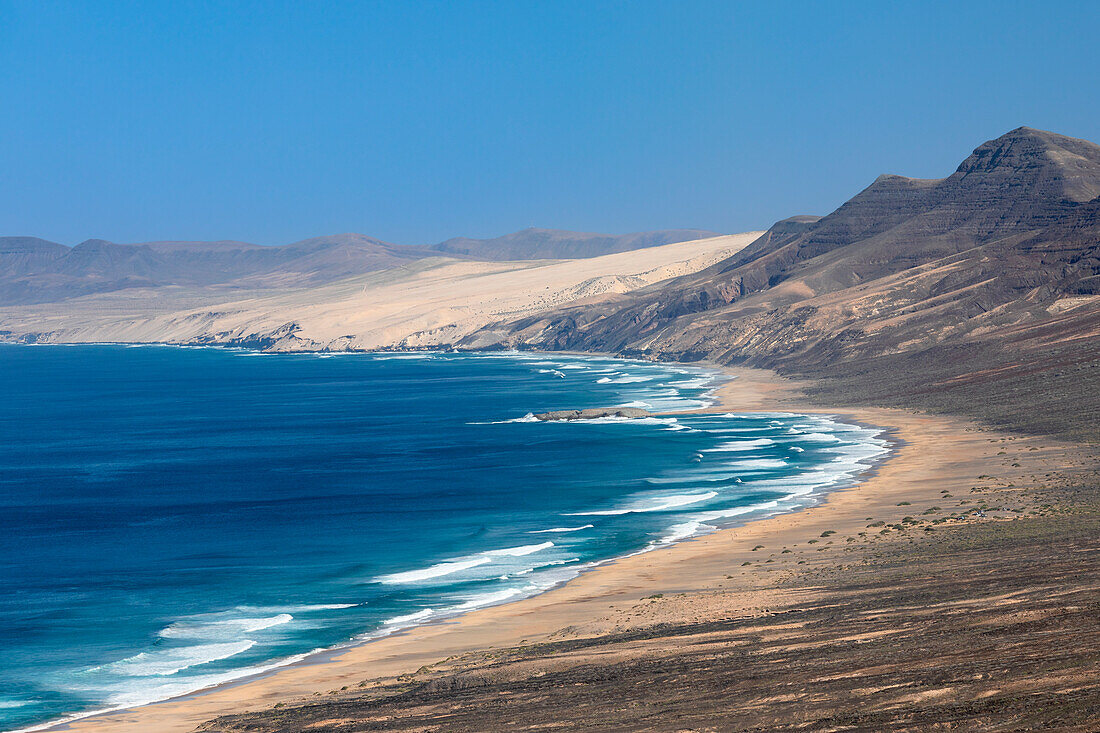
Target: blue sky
{"points": [[417, 121]]}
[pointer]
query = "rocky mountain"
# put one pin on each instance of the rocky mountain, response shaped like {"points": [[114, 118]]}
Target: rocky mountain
{"points": [[914, 291], [556, 244]]}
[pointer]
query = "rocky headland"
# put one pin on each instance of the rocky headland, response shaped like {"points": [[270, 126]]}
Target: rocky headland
{"points": [[594, 413]]}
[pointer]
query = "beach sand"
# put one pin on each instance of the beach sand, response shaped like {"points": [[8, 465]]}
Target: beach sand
{"points": [[725, 574]]}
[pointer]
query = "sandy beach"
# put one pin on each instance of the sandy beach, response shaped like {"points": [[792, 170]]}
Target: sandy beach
{"points": [[732, 573]]}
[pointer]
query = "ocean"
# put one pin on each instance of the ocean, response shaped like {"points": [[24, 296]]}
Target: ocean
{"points": [[173, 518]]}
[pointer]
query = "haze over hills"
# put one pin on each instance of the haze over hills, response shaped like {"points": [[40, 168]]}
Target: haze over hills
{"points": [[554, 244], [34, 270], [914, 289]]}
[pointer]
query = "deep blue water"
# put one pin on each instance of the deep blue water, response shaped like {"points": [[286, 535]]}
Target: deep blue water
{"points": [[172, 518]]}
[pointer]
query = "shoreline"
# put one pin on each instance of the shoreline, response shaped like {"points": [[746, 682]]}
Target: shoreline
{"points": [[713, 404], [684, 567]]}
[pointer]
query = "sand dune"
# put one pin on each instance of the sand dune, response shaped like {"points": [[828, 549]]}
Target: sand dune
{"points": [[430, 302]]}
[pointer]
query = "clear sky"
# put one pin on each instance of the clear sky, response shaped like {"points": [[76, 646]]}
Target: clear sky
{"points": [[417, 121]]}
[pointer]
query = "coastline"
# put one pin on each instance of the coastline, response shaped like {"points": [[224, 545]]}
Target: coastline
{"points": [[598, 600]]}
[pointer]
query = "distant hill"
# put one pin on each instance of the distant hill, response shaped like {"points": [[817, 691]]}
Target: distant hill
{"points": [[37, 271], [913, 292], [34, 270], [556, 244]]}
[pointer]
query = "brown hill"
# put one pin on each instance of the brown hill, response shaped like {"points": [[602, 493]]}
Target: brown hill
{"points": [[937, 293]]}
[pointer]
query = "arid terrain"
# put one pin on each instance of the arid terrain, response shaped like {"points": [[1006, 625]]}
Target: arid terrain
{"points": [[963, 295], [426, 302], [957, 588]]}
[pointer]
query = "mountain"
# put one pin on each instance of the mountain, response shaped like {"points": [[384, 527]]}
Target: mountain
{"points": [[556, 244], [934, 293], [36, 271]]}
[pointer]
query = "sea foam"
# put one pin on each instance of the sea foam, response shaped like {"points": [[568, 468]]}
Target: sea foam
{"points": [[656, 505], [561, 529], [170, 661]]}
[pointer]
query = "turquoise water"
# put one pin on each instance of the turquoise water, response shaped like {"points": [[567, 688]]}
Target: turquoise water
{"points": [[174, 518]]}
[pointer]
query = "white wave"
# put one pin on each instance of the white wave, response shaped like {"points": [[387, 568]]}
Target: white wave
{"points": [[302, 608], [488, 599], [697, 383], [754, 463], [519, 551], [145, 691], [611, 420], [198, 627], [740, 445], [550, 564], [458, 565], [819, 437], [796, 449], [801, 483], [738, 511], [170, 661], [529, 417], [149, 690], [629, 379], [724, 431], [636, 403], [694, 477], [555, 372], [435, 571], [663, 504], [561, 529], [409, 617], [682, 531]]}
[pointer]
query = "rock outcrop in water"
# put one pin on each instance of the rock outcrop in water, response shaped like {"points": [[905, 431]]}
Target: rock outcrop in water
{"points": [[593, 413]]}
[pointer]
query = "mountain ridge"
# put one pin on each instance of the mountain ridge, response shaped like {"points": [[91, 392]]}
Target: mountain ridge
{"points": [[34, 270], [978, 268]]}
